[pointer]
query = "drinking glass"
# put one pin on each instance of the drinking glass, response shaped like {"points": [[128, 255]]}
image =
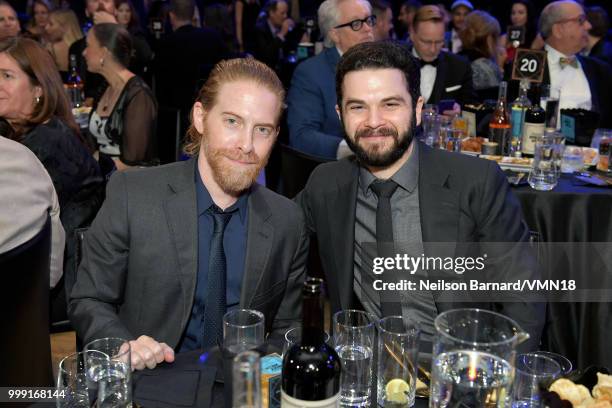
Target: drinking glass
{"points": [[549, 101], [113, 373], [544, 172], [398, 345], [431, 129], [74, 389], [354, 337], [293, 336], [246, 380], [534, 373], [572, 159], [564, 363], [473, 357], [243, 330]]}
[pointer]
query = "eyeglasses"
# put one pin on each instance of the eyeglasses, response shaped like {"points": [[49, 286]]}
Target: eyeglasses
{"points": [[357, 24], [581, 19]]}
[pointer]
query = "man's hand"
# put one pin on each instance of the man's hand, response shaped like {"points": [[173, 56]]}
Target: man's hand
{"points": [[104, 17], [146, 352], [287, 26]]}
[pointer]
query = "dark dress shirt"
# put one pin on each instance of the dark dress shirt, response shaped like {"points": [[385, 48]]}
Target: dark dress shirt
{"points": [[405, 211], [234, 246]]}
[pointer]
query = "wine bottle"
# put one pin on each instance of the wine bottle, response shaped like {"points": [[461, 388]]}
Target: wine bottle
{"points": [[533, 128], [74, 84], [499, 126], [311, 368], [517, 117]]}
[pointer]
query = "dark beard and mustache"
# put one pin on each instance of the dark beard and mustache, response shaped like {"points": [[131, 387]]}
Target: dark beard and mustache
{"points": [[375, 157], [232, 179]]}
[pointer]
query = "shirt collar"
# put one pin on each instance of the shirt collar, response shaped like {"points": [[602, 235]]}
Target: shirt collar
{"points": [[205, 201], [273, 29], [553, 55], [407, 177]]}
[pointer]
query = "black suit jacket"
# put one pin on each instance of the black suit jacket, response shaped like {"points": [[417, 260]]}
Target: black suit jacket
{"points": [[183, 60], [461, 199], [268, 47], [453, 80], [140, 258]]}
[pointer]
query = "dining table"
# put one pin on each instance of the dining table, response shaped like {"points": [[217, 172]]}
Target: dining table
{"points": [[577, 213]]}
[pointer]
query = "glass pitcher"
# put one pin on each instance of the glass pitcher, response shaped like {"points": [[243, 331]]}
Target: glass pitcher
{"points": [[473, 359]]}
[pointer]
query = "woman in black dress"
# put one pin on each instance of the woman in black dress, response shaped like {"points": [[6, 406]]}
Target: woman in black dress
{"points": [[36, 112], [123, 119]]}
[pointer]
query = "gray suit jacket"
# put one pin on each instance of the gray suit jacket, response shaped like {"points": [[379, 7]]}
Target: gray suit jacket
{"points": [[461, 200], [139, 267]]}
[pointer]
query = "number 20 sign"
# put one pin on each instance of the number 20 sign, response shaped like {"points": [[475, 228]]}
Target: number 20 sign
{"points": [[529, 64]]}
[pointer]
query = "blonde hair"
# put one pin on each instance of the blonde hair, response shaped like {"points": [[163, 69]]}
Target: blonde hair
{"points": [[479, 26], [68, 20], [227, 71], [429, 12]]}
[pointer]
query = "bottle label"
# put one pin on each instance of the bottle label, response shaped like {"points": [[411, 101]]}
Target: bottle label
{"points": [[517, 117], [290, 402], [531, 132]]}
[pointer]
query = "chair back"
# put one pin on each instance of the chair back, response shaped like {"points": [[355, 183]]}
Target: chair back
{"points": [[296, 167], [25, 348]]}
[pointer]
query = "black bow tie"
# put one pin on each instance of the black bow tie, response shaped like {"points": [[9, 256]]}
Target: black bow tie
{"points": [[433, 63]]}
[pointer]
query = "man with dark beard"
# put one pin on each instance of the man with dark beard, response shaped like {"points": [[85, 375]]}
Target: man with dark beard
{"points": [[398, 192], [175, 247]]}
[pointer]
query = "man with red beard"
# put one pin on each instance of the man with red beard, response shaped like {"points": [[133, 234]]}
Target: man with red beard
{"points": [[397, 196], [175, 247]]}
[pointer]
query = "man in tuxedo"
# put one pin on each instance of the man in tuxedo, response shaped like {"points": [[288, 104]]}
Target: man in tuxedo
{"points": [[444, 76], [183, 57], [584, 82], [313, 124], [271, 33], [175, 247], [398, 190]]}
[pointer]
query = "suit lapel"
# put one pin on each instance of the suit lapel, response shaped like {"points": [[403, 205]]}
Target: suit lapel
{"points": [[439, 83], [181, 214], [591, 76], [438, 204], [341, 204], [260, 236]]}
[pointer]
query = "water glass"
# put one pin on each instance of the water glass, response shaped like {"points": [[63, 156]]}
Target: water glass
{"points": [[564, 363], [74, 389], [544, 172], [246, 380], [243, 330], [473, 357], [572, 159], [398, 345], [354, 337], [113, 373], [293, 336], [534, 373], [549, 101], [431, 129]]}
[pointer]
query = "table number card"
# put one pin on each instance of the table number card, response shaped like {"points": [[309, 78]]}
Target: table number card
{"points": [[529, 65]]}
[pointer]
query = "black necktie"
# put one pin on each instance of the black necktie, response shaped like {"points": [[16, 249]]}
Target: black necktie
{"points": [[433, 63], [215, 293], [389, 300]]}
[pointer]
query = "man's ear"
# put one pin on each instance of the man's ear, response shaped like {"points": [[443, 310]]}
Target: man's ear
{"points": [[418, 109], [198, 116], [339, 112], [333, 35]]}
